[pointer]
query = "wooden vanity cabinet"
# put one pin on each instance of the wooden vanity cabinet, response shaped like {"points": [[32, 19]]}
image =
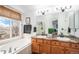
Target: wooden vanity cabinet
{"points": [[47, 46]]}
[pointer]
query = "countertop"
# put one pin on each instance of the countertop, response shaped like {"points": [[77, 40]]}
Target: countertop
{"points": [[65, 39]]}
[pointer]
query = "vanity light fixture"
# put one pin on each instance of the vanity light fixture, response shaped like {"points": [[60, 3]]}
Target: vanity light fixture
{"points": [[64, 8], [42, 11]]}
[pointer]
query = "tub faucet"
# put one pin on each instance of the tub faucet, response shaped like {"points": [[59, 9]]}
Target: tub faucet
{"points": [[10, 50], [4, 51]]}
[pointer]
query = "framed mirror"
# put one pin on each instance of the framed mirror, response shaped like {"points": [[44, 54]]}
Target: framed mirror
{"points": [[27, 20]]}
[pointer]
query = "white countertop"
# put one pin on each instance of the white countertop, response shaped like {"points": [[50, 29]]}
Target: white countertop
{"points": [[65, 39]]}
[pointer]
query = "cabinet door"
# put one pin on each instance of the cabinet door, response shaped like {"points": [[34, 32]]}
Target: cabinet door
{"points": [[46, 42], [65, 44], [57, 50], [34, 40], [39, 40], [55, 43], [35, 48], [72, 51], [45, 49], [75, 45]]}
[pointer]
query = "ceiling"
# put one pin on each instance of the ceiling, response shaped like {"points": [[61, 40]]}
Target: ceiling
{"points": [[32, 8]]}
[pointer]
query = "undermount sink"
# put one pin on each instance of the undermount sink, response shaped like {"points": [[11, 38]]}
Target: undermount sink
{"points": [[63, 38], [41, 36]]}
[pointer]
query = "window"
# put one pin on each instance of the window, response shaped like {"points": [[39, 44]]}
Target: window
{"points": [[15, 28], [9, 28]]}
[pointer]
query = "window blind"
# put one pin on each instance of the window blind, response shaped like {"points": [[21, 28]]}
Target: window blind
{"points": [[6, 12]]}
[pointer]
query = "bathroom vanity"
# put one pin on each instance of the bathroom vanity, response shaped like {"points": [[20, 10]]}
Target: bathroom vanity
{"points": [[57, 45]]}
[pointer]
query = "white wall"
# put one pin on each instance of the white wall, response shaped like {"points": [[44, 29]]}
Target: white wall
{"points": [[76, 24]]}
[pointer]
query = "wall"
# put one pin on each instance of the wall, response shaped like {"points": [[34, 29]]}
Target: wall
{"points": [[75, 22]]}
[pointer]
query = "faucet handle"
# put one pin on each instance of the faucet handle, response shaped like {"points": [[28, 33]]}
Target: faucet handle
{"points": [[14, 49], [10, 50]]}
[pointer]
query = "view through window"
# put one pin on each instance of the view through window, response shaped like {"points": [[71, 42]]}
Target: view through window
{"points": [[8, 28], [15, 28]]}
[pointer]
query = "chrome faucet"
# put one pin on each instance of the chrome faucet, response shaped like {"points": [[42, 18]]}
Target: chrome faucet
{"points": [[9, 51], [4, 51], [14, 49]]}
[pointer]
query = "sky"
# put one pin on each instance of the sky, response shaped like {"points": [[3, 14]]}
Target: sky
{"points": [[4, 22]]}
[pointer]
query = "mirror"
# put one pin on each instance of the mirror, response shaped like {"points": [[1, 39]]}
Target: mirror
{"points": [[40, 28], [64, 22]]}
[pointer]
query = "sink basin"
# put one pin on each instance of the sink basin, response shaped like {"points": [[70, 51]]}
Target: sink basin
{"points": [[41, 36], [63, 38]]}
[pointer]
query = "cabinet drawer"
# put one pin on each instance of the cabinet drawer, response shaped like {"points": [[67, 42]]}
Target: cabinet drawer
{"points": [[33, 40], [39, 41], [47, 42], [57, 50], [74, 45], [55, 43], [72, 51], [65, 44]]}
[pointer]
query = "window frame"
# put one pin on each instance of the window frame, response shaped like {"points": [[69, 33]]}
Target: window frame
{"points": [[20, 26]]}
